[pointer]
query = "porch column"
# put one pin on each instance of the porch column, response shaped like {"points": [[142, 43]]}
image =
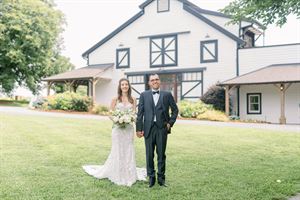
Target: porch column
{"points": [[282, 87], [227, 99], [49, 83], [227, 88], [94, 91]]}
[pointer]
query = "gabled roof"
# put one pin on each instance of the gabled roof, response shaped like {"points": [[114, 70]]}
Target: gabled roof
{"points": [[92, 71], [188, 6], [277, 73]]}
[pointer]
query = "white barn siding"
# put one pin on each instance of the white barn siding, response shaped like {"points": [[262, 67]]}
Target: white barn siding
{"points": [[270, 98], [176, 20], [255, 58]]}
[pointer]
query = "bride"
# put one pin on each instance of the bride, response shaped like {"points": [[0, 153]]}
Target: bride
{"points": [[120, 166]]}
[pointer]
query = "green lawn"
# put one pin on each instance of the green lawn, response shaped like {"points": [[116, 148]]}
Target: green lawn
{"points": [[41, 158], [15, 103]]}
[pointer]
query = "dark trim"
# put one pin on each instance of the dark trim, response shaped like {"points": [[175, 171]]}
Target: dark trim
{"points": [[260, 83], [135, 90], [127, 50], [260, 102], [198, 83], [276, 45], [192, 97], [237, 61], [202, 47], [238, 101], [101, 65], [200, 69], [280, 64], [115, 32], [158, 11], [163, 51], [146, 3], [212, 24], [165, 34]]}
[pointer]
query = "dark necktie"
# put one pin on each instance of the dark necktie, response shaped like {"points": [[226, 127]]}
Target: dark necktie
{"points": [[155, 92]]}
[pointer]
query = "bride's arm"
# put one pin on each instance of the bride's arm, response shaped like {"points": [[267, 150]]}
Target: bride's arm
{"points": [[112, 106]]}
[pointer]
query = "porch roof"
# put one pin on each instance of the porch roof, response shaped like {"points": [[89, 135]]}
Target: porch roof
{"points": [[84, 73], [277, 73]]}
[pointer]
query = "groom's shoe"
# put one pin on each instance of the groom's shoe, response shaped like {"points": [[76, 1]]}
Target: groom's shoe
{"points": [[151, 182], [162, 183]]}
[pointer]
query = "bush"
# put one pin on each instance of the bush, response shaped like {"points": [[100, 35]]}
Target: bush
{"points": [[192, 109], [213, 115], [215, 96], [38, 103], [69, 101], [101, 110]]}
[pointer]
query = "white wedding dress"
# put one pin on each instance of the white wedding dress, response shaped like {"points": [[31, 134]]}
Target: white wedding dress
{"points": [[120, 166]]}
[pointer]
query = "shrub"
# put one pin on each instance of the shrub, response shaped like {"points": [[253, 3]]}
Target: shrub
{"points": [[69, 101], [192, 109], [215, 96], [213, 115], [101, 110], [38, 103]]}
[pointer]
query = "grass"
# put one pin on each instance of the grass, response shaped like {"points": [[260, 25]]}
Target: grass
{"points": [[15, 103], [41, 158]]}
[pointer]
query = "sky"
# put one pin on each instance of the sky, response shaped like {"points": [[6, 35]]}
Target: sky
{"points": [[89, 21]]}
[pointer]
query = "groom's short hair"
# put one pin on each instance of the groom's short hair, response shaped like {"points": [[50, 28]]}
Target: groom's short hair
{"points": [[153, 75]]}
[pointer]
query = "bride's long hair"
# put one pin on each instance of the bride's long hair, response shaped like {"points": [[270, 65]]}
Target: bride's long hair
{"points": [[130, 99]]}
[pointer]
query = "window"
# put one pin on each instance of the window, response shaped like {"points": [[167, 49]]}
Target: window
{"points": [[192, 76], [139, 79], [209, 51], [123, 58], [254, 103], [163, 5], [163, 51]]}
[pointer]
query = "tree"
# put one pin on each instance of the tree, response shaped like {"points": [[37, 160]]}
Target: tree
{"points": [[267, 11], [30, 43]]}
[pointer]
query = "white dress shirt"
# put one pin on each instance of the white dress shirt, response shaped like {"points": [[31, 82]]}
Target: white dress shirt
{"points": [[155, 99]]}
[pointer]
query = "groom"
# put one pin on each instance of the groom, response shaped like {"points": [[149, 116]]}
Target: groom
{"points": [[154, 123]]}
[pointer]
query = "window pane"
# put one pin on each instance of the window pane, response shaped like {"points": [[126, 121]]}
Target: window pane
{"points": [[254, 107], [254, 99]]}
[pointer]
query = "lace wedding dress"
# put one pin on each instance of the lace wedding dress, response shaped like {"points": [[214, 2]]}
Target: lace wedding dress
{"points": [[120, 166]]}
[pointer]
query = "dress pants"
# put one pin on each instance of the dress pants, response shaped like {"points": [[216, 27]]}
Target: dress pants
{"points": [[157, 139]]}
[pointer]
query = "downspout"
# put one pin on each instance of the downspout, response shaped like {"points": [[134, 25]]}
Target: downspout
{"points": [[238, 71]]}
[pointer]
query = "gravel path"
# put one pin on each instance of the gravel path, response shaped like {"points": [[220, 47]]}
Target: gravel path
{"points": [[26, 111]]}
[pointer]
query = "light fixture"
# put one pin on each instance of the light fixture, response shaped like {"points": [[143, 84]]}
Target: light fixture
{"points": [[281, 87], [207, 36]]}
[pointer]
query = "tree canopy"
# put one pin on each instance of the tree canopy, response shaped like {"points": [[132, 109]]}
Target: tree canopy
{"points": [[266, 11], [30, 43]]}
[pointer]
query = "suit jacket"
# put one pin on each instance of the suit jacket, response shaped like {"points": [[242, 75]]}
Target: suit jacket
{"points": [[147, 110]]}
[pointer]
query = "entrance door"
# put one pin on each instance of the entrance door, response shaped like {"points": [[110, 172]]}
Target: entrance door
{"points": [[169, 82]]}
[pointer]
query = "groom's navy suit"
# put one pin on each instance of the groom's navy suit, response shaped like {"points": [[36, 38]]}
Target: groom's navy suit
{"points": [[153, 120]]}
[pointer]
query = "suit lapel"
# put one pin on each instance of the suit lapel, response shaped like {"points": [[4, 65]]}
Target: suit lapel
{"points": [[159, 98], [152, 101]]}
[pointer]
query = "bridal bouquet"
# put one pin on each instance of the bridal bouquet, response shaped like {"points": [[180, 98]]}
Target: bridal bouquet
{"points": [[122, 118]]}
